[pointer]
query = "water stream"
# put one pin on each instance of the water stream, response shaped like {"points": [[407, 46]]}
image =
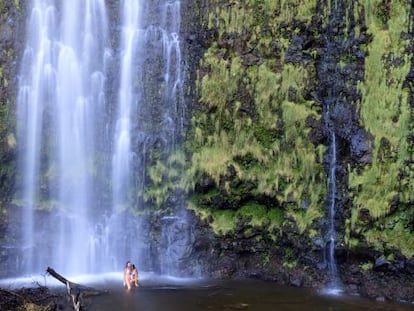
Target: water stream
{"points": [[150, 100], [334, 282], [331, 90], [83, 150], [149, 112], [61, 88], [127, 104]]}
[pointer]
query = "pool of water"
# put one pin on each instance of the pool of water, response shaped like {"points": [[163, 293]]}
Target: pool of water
{"points": [[158, 293]]}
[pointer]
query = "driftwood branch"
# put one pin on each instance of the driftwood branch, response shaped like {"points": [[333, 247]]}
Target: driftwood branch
{"points": [[74, 290], [65, 281]]}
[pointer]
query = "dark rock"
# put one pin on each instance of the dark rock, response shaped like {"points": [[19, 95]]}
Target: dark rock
{"points": [[352, 289], [297, 282], [251, 59], [6, 34], [409, 265], [191, 38], [381, 264], [364, 215], [317, 134], [361, 147]]}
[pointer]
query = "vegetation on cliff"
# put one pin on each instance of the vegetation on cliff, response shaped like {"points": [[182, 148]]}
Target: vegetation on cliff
{"points": [[8, 54], [250, 150], [249, 141], [256, 150], [383, 191]]}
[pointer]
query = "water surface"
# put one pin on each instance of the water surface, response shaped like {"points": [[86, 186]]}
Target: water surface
{"points": [[198, 295], [163, 293]]}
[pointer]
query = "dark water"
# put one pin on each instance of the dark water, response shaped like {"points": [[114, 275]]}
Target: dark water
{"points": [[251, 295], [158, 293]]}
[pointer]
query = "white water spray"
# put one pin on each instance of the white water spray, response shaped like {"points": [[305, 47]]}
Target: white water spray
{"points": [[171, 22], [127, 104], [60, 94], [176, 231], [150, 74], [64, 121]]}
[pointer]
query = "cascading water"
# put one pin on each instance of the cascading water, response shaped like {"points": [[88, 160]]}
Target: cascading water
{"points": [[334, 282], [150, 113], [123, 234], [150, 60], [60, 99], [127, 104], [333, 286], [335, 94], [170, 24], [176, 231], [82, 156]]}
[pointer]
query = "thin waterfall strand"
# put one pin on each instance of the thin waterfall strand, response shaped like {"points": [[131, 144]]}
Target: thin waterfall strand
{"points": [[332, 206]]}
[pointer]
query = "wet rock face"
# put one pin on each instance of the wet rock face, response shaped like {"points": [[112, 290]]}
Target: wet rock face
{"points": [[385, 282], [11, 30], [251, 252], [9, 44], [361, 149], [340, 46], [291, 258]]}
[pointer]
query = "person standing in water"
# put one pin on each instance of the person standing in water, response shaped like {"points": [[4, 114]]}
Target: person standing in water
{"points": [[135, 276], [127, 275], [131, 276]]}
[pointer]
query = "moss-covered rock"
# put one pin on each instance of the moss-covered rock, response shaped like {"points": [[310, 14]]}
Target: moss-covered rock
{"points": [[276, 78], [9, 32]]}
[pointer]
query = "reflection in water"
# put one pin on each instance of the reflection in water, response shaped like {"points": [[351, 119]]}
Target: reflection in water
{"points": [[163, 293], [174, 294]]}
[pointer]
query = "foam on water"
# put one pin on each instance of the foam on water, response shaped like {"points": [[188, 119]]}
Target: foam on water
{"points": [[332, 291], [93, 279]]}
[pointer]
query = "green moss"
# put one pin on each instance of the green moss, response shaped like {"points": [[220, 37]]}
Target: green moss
{"points": [[166, 176], [305, 218], [393, 233], [366, 266], [386, 114], [249, 133], [220, 84], [276, 218], [223, 221], [256, 212], [290, 264]]}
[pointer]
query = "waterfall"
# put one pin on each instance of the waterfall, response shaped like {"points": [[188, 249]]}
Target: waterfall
{"points": [[170, 23], [60, 101], [176, 232], [89, 115], [332, 206], [127, 102], [150, 53], [149, 112], [332, 94]]}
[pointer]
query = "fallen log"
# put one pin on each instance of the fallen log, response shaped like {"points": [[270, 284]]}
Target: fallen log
{"points": [[74, 290], [65, 281]]}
